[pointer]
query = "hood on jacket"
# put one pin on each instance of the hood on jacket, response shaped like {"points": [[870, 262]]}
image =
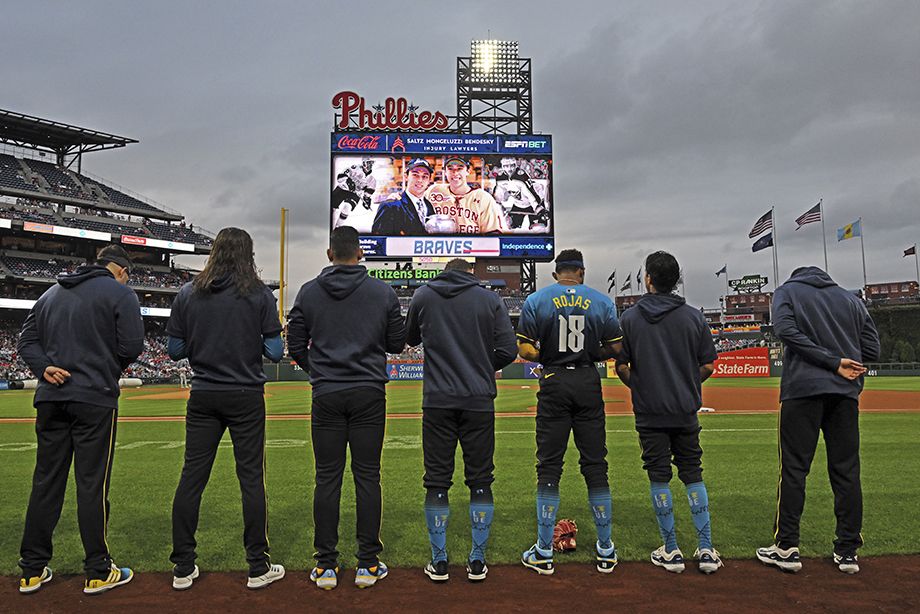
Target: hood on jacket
{"points": [[453, 283], [654, 307], [83, 273], [813, 276], [340, 280], [221, 283]]}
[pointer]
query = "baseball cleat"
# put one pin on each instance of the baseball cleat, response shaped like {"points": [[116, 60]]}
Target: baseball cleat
{"points": [[672, 561], [787, 560], [847, 563], [532, 559], [326, 579], [605, 562], [274, 573], [365, 577], [117, 576], [476, 571], [182, 583], [33, 583], [437, 571], [709, 560]]}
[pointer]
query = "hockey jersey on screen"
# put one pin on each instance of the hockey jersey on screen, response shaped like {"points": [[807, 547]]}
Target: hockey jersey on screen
{"points": [[568, 323], [475, 212]]}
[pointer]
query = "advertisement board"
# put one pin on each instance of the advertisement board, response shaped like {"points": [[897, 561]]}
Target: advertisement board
{"points": [[5, 223], [405, 370], [420, 195], [147, 241], [79, 233], [750, 362]]}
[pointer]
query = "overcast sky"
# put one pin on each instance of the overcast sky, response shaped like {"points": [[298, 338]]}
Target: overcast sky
{"points": [[675, 124]]}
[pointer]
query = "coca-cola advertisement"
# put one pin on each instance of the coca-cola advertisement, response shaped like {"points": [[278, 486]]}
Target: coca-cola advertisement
{"points": [[384, 191]]}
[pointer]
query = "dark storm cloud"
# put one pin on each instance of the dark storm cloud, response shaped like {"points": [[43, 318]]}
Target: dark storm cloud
{"points": [[676, 124]]}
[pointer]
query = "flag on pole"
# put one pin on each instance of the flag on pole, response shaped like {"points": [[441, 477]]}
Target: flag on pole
{"points": [[810, 216], [910, 251], [763, 242], [850, 231], [639, 276], [764, 223], [628, 284], [723, 270], [613, 276]]}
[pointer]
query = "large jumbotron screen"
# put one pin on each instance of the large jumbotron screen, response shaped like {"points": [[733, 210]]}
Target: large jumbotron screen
{"points": [[415, 195]]}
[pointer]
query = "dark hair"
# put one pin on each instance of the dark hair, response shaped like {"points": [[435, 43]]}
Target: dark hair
{"points": [[662, 267], [566, 257], [458, 264], [115, 254], [344, 243], [231, 256]]}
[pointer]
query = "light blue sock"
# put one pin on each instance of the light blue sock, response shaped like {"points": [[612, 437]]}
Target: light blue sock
{"points": [[699, 509], [601, 504], [547, 506], [482, 509], [664, 513], [437, 512]]}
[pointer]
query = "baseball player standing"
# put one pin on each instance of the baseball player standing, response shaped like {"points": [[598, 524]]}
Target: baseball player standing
{"points": [[467, 210], [828, 333], [77, 339], [564, 326], [667, 353], [223, 322], [341, 327], [467, 336]]}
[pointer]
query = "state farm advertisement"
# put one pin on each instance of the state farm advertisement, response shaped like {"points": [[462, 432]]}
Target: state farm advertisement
{"points": [[752, 362]]}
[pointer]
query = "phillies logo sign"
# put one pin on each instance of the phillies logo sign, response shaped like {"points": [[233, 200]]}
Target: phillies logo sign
{"points": [[393, 114]]}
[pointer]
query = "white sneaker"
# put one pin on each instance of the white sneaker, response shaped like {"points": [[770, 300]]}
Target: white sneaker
{"points": [[181, 583], [672, 561], [274, 573], [847, 563], [788, 560], [709, 560]]}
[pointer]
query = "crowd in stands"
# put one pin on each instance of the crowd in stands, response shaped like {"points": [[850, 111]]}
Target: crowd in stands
{"points": [[28, 211], [11, 366], [726, 345], [154, 362], [52, 267]]}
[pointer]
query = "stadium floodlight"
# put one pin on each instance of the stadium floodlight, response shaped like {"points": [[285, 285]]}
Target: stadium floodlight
{"points": [[494, 62]]}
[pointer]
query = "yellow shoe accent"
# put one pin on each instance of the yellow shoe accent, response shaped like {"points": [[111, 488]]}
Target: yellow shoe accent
{"points": [[117, 576], [30, 585]]}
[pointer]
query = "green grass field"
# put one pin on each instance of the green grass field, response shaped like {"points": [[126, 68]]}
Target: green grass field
{"points": [[740, 471]]}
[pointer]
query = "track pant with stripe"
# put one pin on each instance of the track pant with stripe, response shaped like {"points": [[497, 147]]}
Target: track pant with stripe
{"points": [[209, 414], [85, 435]]}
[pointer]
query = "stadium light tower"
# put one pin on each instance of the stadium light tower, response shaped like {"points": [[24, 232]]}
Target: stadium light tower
{"points": [[494, 89], [494, 96]]}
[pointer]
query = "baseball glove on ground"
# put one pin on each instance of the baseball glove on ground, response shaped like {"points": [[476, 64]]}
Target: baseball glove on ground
{"points": [[564, 535]]}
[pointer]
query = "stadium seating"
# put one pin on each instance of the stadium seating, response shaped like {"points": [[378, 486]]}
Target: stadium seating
{"points": [[11, 175], [59, 181], [28, 214], [102, 225], [33, 267], [176, 232]]}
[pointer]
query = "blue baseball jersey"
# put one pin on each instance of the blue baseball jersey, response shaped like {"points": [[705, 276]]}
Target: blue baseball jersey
{"points": [[568, 323]]}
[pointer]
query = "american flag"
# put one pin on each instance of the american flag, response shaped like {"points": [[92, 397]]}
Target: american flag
{"points": [[812, 215], [764, 223]]}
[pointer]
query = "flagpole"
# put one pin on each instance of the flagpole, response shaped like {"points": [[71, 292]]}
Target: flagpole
{"points": [[862, 245], [917, 262], [775, 258], [823, 233]]}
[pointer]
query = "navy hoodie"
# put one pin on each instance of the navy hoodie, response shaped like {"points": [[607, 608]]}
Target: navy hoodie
{"points": [[665, 342], [467, 336], [341, 328], [820, 323], [223, 333], [88, 324]]}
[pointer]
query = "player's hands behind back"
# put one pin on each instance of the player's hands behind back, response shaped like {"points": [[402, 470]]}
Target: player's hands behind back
{"points": [[850, 369], [56, 375]]}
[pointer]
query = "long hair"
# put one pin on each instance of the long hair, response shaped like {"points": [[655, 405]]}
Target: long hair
{"points": [[231, 256]]}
